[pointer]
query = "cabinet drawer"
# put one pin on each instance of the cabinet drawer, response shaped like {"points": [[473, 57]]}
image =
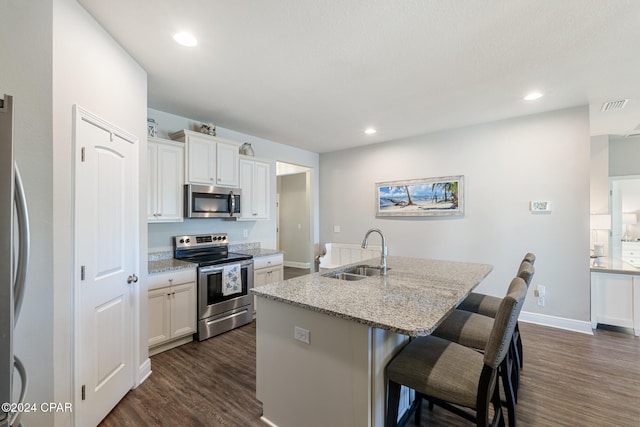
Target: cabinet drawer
{"points": [[171, 278], [267, 261]]}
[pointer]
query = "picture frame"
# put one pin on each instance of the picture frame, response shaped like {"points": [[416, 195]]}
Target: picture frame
{"points": [[439, 196]]}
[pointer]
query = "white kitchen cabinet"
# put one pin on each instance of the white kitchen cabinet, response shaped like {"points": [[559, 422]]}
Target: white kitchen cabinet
{"points": [[267, 269], [631, 253], [165, 180], [255, 182], [171, 310], [209, 160], [615, 300]]}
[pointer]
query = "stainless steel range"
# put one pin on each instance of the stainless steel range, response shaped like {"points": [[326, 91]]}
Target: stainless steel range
{"points": [[224, 282]]}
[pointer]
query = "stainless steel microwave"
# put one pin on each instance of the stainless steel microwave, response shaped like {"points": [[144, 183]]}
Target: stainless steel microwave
{"points": [[203, 201]]}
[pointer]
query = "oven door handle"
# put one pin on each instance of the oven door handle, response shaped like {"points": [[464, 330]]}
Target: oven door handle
{"points": [[230, 316], [206, 270]]}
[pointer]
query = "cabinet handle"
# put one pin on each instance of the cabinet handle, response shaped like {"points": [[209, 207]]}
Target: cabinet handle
{"points": [[171, 281]]}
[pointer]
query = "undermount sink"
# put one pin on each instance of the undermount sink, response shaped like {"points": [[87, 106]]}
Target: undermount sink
{"points": [[344, 276], [358, 272], [364, 270]]}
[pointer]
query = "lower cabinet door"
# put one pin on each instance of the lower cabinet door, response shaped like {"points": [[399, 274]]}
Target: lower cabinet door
{"points": [[159, 317], [183, 309]]}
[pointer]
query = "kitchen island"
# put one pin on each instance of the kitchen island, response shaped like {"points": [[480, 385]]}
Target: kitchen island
{"points": [[322, 344]]}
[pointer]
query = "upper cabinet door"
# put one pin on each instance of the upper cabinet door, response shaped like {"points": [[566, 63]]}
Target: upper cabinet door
{"points": [[255, 182], [227, 165], [210, 160], [165, 180], [201, 160], [170, 182], [261, 185]]}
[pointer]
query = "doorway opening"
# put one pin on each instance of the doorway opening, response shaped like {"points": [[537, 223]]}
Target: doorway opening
{"points": [[294, 217]]}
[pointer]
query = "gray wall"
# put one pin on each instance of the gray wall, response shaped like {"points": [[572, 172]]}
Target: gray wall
{"points": [[506, 165], [624, 156], [25, 73], [294, 219], [55, 55]]}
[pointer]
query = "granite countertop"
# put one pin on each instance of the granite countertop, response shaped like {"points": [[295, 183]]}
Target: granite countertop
{"points": [[412, 299], [613, 266], [169, 264]]}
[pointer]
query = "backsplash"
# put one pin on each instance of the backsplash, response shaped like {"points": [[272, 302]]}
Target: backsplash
{"points": [[163, 254]]}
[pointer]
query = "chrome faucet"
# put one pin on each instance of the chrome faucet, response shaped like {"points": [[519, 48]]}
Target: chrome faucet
{"points": [[383, 256]]}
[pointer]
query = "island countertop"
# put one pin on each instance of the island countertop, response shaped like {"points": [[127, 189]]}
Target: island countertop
{"points": [[412, 299]]}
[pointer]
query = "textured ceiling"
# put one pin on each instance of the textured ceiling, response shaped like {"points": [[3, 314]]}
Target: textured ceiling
{"points": [[315, 73]]}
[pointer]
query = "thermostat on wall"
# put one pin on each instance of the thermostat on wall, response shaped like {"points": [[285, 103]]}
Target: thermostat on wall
{"points": [[540, 206]]}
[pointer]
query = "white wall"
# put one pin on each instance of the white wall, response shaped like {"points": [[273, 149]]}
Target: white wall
{"points": [[25, 73], [506, 165], [263, 232], [89, 69]]}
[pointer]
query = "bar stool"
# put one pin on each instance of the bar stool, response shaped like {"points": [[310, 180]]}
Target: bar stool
{"points": [[473, 330], [453, 376]]}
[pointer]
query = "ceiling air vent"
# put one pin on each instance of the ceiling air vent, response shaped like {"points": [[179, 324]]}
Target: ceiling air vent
{"points": [[614, 105]]}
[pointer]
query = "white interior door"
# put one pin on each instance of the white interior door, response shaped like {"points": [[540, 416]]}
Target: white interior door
{"points": [[106, 237]]}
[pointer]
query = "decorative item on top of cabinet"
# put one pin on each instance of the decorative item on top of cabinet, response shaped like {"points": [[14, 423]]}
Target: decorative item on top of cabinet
{"points": [[255, 182], [208, 128], [246, 149], [171, 309], [152, 128], [209, 160], [165, 180], [267, 269]]}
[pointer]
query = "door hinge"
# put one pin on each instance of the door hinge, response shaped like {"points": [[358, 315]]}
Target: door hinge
{"points": [[84, 394], [82, 154], [82, 269]]}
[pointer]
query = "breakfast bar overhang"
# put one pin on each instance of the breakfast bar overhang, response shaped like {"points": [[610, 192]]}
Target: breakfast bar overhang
{"points": [[322, 343]]}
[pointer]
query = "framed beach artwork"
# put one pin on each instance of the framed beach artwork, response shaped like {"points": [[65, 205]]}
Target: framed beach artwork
{"points": [[421, 197]]}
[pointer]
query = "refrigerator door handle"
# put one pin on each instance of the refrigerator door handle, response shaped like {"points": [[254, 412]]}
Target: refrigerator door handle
{"points": [[14, 419], [23, 242]]}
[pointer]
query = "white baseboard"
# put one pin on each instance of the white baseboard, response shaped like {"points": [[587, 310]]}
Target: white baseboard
{"points": [[144, 371], [556, 322], [305, 265]]}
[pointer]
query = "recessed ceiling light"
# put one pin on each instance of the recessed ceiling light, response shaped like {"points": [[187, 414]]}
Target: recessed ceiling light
{"points": [[370, 131], [185, 39], [532, 96]]}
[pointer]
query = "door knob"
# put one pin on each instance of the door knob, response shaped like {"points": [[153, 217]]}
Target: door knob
{"points": [[132, 279]]}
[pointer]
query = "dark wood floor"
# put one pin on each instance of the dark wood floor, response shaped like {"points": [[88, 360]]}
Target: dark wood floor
{"points": [[291, 272], [569, 379]]}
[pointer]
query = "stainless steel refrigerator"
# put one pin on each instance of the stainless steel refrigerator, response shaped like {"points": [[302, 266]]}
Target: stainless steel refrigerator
{"points": [[14, 261]]}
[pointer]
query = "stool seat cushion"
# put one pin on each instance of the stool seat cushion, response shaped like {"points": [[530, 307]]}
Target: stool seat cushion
{"points": [[466, 328], [439, 368]]}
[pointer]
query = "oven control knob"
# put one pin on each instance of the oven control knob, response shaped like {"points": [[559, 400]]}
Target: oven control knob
{"points": [[181, 240], [188, 240]]}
